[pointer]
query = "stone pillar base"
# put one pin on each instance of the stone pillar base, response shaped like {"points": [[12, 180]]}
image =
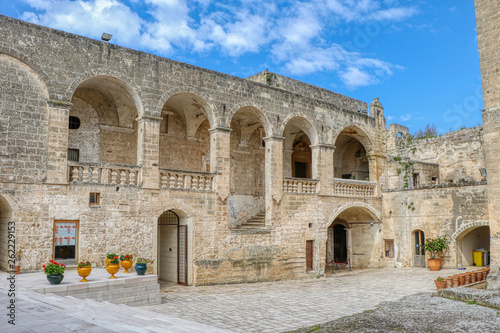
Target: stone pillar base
{"points": [[493, 280]]}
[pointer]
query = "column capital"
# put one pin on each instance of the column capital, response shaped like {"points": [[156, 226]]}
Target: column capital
{"points": [[324, 146], [55, 103], [220, 129], [274, 138], [149, 119]]}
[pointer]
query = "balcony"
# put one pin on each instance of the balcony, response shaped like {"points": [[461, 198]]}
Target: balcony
{"points": [[353, 188], [300, 185], [104, 174], [186, 180]]}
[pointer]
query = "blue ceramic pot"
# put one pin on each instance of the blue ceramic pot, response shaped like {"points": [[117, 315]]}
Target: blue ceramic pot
{"points": [[141, 268], [55, 279]]}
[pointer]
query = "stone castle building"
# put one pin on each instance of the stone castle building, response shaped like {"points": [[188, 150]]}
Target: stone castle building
{"points": [[222, 179]]}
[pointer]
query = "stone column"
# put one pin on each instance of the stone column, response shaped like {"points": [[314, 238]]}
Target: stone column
{"points": [[220, 159], [376, 167], [57, 157], [322, 167], [148, 150], [488, 34], [273, 174], [287, 162]]}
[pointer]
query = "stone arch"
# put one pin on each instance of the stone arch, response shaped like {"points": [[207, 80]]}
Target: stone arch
{"points": [[37, 70], [306, 126], [256, 110], [375, 213], [466, 226], [351, 156], [361, 135], [209, 109]]}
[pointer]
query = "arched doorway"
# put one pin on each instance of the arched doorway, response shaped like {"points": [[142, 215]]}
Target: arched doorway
{"points": [[172, 248], [419, 248], [473, 247], [336, 246], [5, 216]]}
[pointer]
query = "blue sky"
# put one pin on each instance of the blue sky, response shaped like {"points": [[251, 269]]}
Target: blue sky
{"points": [[419, 57]]}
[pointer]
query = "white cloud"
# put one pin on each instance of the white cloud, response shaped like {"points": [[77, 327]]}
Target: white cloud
{"points": [[405, 117], [295, 35]]}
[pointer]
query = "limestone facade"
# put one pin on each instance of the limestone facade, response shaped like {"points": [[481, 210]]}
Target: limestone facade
{"points": [[263, 178]]}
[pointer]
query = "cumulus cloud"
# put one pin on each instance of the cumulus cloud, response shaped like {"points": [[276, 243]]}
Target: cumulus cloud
{"points": [[295, 35]]}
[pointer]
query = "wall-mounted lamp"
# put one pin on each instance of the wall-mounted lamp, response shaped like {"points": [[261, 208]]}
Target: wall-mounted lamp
{"points": [[106, 37], [371, 223]]}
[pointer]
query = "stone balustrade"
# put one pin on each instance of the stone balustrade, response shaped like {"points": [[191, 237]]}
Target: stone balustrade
{"points": [[353, 188], [105, 174], [300, 185], [186, 180]]}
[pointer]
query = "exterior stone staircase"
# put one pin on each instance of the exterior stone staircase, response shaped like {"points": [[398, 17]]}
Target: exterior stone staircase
{"points": [[255, 224]]}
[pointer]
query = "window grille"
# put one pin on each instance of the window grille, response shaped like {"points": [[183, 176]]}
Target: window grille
{"points": [[168, 218], [74, 155], [389, 248]]}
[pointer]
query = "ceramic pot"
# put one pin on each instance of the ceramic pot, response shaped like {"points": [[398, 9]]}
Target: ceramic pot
{"points": [[84, 272], [454, 282], [461, 279], [448, 282], [479, 276], [440, 284], [55, 278], [467, 278], [141, 268], [473, 277], [113, 269], [126, 264], [434, 264], [107, 261]]}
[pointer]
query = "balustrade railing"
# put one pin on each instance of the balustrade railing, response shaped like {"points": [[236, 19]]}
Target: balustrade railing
{"points": [[353, 188], [103, 174], [300, 185], [186, 180]]}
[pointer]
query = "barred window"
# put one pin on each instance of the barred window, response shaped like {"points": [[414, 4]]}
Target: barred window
{"points": [[74, 122], [74, 155]]}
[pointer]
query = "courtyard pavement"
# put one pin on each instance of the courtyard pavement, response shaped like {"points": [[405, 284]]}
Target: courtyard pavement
{"points": [[287, 305], [256, 307]]}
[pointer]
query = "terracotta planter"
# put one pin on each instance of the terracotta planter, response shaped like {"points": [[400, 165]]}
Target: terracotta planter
{"points": [[440, 284], [448, 281], [113, 269], [454, 282], [486, 271], [461, 279], [434, 264], [473, 277], [84, 272], [467, 278], [479, 276], [126, 264]]}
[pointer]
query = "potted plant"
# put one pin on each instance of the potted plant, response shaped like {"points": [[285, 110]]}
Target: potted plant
{"points": [[440, 283], [113, 267], [142, 265], [84, 268], [109, 257], [126, 261], [435, 246], [54, 272]]}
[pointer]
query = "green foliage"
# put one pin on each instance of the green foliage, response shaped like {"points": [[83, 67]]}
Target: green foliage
{"points": [[84, 264], [397, 158], [114, 260], [54, 268], [315, 328], [144, 261], [110, 255], [390, 212], [472, 302], [436, 245]]}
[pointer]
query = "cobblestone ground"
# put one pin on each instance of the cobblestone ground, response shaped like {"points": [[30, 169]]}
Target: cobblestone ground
{"points": [[288, 305]]}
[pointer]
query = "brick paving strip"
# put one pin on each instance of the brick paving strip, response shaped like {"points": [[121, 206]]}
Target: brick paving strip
{"points": [[287, 305]]}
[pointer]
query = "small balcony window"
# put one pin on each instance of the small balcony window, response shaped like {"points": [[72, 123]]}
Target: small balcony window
{"points": [[94, 199], [389, 248], [74, 155]]}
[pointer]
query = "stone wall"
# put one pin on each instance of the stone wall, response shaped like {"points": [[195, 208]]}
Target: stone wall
{"points": [[439, 210]]}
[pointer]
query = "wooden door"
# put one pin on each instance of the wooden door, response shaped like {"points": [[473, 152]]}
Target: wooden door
{"points": [[309, 255], [182, 242], [419, 248]]}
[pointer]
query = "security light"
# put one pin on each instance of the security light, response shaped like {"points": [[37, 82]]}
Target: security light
{"points": [[106, 37]]}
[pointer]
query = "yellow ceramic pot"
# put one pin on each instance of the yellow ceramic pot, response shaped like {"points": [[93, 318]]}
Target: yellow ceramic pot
{"points": [[113, 269], [84, 272], [126, 264]]}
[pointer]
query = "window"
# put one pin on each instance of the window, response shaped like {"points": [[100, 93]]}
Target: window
{"points": [[94, 199], [416, 180], [74, 155], [389, 248], [74, 122]]}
